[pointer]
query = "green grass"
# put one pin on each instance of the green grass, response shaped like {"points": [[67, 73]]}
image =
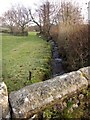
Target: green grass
{"points": [[24, 54]]}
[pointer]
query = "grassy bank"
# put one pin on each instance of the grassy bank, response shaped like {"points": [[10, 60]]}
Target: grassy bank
{"points": [[24, 54]]}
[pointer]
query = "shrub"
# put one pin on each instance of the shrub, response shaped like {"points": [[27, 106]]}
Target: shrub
{"points": [[20, 33], [73, 45]]}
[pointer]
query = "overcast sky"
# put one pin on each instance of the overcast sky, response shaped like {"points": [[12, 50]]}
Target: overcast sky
{"points": [[6, 4]]}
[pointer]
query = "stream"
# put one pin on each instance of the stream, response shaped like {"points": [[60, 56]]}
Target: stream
{"points": [[57, 67]]}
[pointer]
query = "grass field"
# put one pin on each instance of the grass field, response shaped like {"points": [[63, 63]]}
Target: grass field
{"points": [[21, 55]]}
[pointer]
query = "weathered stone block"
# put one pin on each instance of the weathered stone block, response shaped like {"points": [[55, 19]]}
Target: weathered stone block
{"points": [[32, 99], [86, 73], [4, 105]]}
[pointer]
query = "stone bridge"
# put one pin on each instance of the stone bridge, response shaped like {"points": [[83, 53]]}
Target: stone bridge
{"points": [[34, 98]]}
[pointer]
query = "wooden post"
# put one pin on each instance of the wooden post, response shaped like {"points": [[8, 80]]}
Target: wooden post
{"points": [[29, 75]]}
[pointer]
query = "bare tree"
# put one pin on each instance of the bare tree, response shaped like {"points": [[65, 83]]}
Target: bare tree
{"points": [[8, 20], [46, 17], [34, 19], [16, 18], [70, 13], [22, 17]]}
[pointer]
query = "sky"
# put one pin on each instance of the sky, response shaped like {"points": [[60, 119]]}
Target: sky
{"points": [[6, 4]]}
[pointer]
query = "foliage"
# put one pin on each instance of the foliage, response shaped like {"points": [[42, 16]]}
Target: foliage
{"points": [[73, 45], [68, 112], [72, 37]]}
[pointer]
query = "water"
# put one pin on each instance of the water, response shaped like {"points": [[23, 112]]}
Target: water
{"points": [[57, 67]]}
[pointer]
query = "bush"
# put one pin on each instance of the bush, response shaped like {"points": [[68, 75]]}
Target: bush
{"points": [[73, 45], [20, 33], [4, 30]]}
